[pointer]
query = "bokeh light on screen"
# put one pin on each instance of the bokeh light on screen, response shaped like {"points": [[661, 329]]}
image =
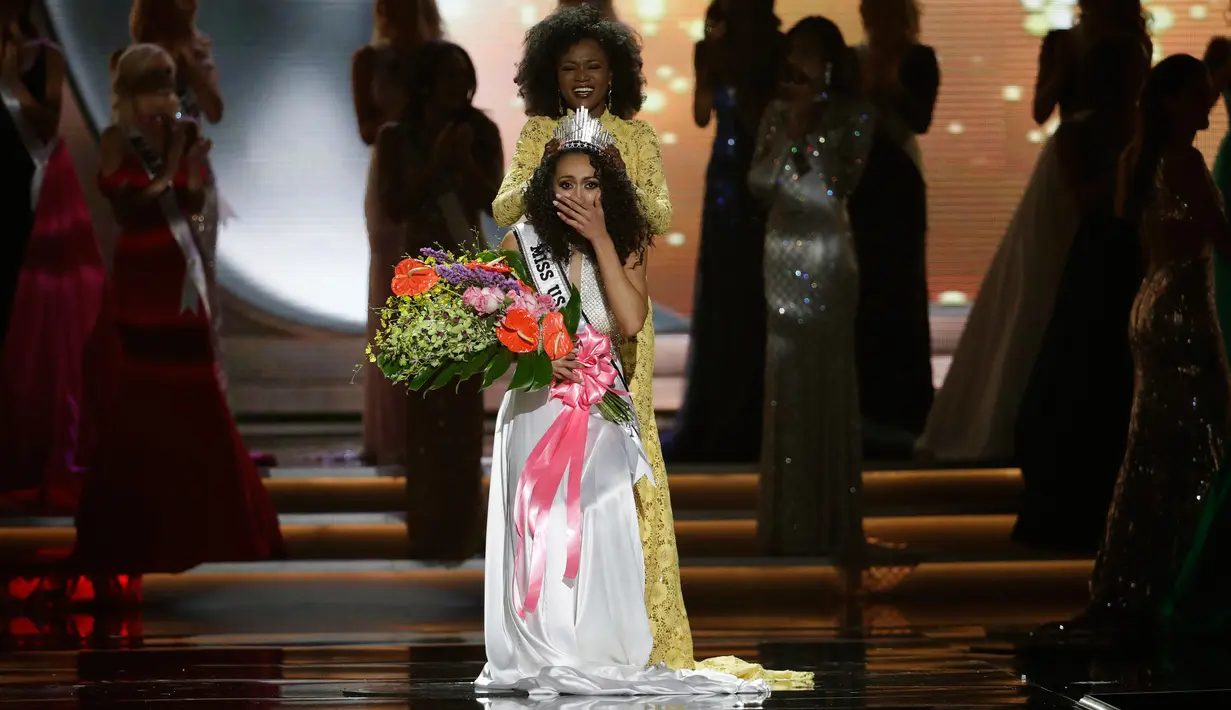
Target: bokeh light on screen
{"points": [[291, 164]]}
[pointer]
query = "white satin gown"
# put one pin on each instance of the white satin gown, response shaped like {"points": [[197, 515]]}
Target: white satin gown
{"points": [[591, 636]]}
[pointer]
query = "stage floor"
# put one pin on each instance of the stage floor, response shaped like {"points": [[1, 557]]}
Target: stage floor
{"points": [[309, 647]]}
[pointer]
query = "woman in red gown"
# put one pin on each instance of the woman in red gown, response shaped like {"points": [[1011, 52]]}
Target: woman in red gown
{"points": [[51, 277], [172, 485]]}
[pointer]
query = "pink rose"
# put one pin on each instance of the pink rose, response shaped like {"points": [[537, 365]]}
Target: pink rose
{"points": [[484, 300], [532, 303]]}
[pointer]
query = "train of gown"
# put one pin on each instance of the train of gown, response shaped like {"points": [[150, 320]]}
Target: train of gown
{"points": [[590, 636], [973, 416]]}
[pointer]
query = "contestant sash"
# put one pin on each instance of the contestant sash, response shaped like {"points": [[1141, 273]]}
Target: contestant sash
{"points": [[551, 277], [40, 152], [194, 290]]}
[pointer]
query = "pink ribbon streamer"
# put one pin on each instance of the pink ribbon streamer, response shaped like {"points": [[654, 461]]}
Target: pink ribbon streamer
{"points": [[561, 450]]}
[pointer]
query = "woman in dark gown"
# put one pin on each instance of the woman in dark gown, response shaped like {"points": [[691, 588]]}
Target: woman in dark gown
{"points": [[721, 415], [1073, 423], [889, 218], [436, 169]]}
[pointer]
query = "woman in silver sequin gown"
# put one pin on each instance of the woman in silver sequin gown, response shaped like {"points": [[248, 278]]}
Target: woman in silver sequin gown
{"points": [[809, 155], [1179, 427]]}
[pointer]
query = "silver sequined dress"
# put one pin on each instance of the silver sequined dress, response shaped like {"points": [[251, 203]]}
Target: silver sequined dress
{"points": [[811, 456], [1178, 432]]}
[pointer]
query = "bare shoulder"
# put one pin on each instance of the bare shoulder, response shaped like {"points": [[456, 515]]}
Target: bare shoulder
{"points": [[510, 241]]}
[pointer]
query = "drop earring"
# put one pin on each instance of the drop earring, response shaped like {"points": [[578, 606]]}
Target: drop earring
{"points": [[560, 100], [609, 97]]}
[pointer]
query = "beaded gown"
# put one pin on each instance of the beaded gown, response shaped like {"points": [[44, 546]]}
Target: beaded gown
{"points": [[1179, 427], [811, 450]]}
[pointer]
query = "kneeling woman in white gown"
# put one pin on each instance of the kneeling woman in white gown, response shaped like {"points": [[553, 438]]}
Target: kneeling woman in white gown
{"points": [[565, 608]]}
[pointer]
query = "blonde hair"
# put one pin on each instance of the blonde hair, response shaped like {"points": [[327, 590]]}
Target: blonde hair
{"points": [[127, 73], [411, 22]]}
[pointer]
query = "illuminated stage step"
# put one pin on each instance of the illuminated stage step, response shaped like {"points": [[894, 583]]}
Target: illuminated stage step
{"points": [[886, 492], [934, 538], [762, 586]]}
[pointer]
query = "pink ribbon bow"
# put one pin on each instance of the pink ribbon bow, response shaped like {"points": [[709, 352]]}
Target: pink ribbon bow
{"points": [[562, 449]]}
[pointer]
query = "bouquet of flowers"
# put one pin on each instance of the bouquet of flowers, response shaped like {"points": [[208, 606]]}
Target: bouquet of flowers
{"points": [[455, 317]]}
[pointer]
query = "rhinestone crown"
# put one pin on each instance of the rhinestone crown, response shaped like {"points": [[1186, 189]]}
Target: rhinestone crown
{"points": [[581, 130]]}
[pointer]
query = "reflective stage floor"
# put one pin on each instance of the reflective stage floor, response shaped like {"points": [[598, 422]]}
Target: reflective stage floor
{"points": [[306, 646]]}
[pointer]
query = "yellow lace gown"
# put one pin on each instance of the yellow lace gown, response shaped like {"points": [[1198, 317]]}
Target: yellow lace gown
{"points": [[638, 145]]}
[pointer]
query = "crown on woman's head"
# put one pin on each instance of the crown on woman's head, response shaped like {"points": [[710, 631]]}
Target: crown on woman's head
{"points": [[581, 130]]}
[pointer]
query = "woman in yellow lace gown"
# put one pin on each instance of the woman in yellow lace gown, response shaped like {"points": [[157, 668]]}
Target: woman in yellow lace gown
{"points": [[602, 73]]}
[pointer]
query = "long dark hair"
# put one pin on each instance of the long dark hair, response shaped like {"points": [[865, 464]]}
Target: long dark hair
{"points": [[843, 66], [626, 221], [1139, 165]]}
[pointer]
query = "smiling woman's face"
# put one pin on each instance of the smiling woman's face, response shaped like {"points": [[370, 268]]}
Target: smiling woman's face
{"points": [[584, 74]]}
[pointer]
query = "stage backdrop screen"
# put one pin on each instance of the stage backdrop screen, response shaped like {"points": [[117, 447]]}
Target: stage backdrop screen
{"points": [[292, 167]]}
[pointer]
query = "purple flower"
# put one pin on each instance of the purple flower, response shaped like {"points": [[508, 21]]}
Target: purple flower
{"points": [[438, 255]]}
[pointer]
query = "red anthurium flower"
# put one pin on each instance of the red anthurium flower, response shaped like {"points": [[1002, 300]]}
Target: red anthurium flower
{"points": [[412, 277], [519, 332], [556, 341], [498, 266]]}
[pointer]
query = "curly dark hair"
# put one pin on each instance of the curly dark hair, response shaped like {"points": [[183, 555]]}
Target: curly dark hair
{"points": [[547, 41], [626, 221]]}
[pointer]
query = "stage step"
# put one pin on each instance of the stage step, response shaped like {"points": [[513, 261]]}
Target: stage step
{"points": [[934, 538], [761, 587], [887, 493]]}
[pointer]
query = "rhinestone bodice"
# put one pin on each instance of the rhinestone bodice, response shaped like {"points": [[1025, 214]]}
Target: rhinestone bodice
{"points": [[594, 303]]}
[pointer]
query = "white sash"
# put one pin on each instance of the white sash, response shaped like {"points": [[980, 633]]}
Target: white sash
{"points": [[194, 291], [551, 278], [40, 153]]}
